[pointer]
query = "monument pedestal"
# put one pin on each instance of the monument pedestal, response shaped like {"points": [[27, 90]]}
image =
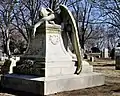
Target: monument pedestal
{"points": [[47, 67], [51, 85]]}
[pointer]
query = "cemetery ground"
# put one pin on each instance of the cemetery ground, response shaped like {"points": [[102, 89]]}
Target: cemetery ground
{"points": [[111, 87]]}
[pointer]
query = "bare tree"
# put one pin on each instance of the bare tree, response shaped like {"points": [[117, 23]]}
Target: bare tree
{"points": [[26, 15], [97, 37], [110, 12], [54, 4], [23, 14], [6, 19], [82, 11], [113, 38], [18, 15]]}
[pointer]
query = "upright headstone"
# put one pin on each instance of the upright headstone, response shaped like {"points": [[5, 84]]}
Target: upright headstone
{"points": [[117, 58], [95, 50], [112, 54], [1, 54], [92, 59], [105, 53]]}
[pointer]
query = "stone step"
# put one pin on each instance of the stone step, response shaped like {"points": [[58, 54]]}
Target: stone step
{"points": [[42, 69], [59, 71], [87, 69], [51, 85], [37, 72], [60, 64]]}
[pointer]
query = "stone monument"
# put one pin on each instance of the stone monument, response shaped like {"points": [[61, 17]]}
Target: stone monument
{"points": [[105, 53], [49, 65], [117, 58]]}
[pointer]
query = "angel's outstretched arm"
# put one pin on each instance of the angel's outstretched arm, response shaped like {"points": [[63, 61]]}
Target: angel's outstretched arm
{"points": [[47, 18]]}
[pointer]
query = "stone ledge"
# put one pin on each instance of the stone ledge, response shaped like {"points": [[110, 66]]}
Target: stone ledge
{"points": [[51, 85]]}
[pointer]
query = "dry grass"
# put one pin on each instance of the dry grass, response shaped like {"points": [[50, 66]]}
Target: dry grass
{"points": [[112, 81]]}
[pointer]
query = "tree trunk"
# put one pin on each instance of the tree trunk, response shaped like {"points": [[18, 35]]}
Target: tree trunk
{"points": [[8, 43], [8, 48]]}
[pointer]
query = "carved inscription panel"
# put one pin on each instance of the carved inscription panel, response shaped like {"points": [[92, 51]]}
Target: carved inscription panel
{"points": [[54, 39]]}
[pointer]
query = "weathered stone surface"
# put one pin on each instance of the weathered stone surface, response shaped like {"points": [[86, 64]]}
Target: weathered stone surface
{"points": [[50, 52], [49, 68], [23, 83], [105, 53], [51, 85]]}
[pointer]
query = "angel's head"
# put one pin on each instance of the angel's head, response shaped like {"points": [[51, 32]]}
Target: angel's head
{"points": [[45, 12]]}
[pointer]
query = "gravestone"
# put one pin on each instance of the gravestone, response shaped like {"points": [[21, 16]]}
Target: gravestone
{"points": [[112, 53], [117, 58], [92, 59], [48, 67], [95, 50], [1, 53], [105, 53]]}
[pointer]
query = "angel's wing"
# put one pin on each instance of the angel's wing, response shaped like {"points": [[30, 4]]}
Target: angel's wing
{"points": [[68, 17]]}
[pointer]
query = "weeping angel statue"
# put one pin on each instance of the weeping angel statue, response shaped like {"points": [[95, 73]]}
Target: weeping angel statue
{"points": [[66, 19]]}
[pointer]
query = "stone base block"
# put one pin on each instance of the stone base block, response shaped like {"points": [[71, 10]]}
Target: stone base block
{"points": [[51, 85]]}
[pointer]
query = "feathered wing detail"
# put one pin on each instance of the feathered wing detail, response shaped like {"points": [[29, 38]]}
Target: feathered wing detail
{"points": [[66, 16]]}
